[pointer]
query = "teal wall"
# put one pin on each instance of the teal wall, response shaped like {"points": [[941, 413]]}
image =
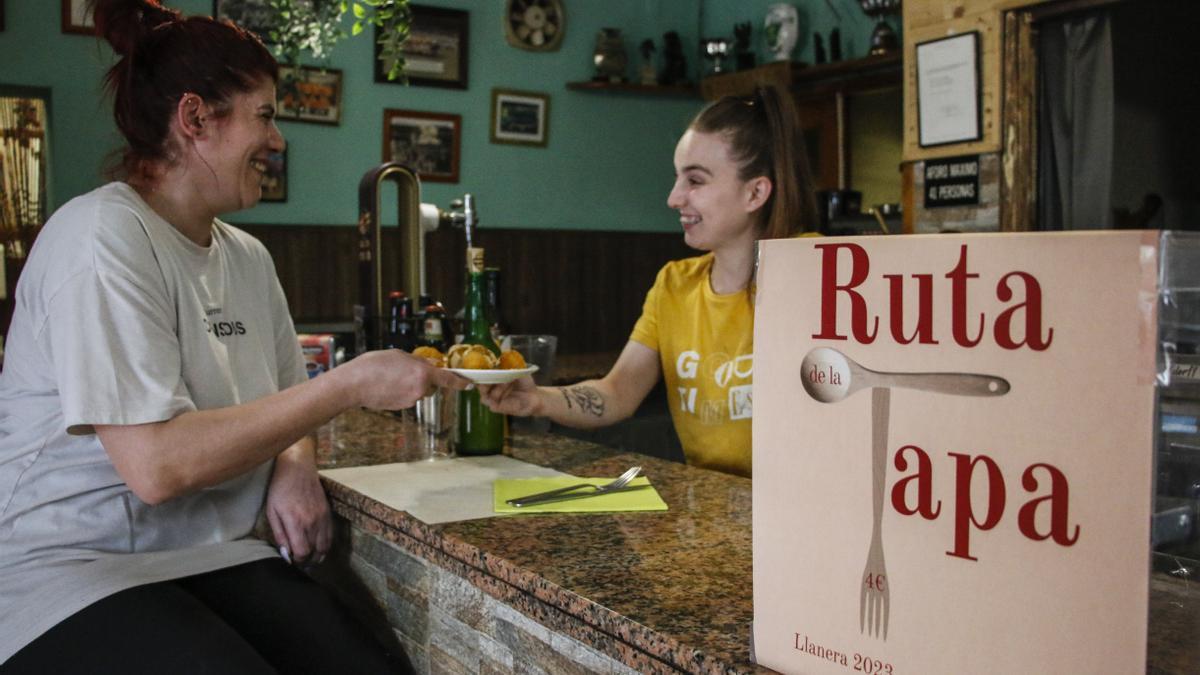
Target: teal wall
{"points": [[607, 165]]}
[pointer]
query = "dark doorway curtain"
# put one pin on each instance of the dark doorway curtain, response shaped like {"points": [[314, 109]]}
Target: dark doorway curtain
{"points": [[1075, 122]]}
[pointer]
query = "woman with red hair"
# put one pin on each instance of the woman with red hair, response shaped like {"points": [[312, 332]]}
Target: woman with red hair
{"points": [[154, 399]]}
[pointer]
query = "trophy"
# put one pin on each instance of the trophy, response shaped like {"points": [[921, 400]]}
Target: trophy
{"points": [[715, 50]]}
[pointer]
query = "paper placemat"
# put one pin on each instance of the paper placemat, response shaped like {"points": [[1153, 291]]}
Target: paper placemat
{"points": [[438, 490], [634, 500]]}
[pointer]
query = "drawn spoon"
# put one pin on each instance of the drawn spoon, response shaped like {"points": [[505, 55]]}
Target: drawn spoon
{"points": [[830, 376]]}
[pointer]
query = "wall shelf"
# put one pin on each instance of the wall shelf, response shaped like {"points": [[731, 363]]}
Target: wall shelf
{"points": [[685, 90], [869, 72], [803, 80]]}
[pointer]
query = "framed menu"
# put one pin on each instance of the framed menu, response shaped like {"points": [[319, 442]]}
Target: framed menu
{"points": [[948, 90], [953, 449]]}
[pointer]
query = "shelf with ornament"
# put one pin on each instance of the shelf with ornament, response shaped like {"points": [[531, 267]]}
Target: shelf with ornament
{"points": [[869, 72], [611, 62], [684, 89]]}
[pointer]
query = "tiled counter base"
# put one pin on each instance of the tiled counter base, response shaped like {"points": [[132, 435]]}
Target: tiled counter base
{"points": [[448, 625]]}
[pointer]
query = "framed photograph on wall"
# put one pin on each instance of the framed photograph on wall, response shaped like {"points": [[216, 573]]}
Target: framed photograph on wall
{"points": [[425, 142], [309, 95], [253, 15], [520, 117], [435, 53], [948, 90], [275, 183], [76, 18]]}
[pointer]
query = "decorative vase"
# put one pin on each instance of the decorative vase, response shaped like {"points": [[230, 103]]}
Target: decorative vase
{"points": [[781, 30], [883, 38], [610, 57]]}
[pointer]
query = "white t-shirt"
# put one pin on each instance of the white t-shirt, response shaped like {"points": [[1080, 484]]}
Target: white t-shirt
{"points": [[120, 319]]}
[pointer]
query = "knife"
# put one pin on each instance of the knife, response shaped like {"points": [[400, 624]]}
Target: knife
{"points": [[530, 500]]}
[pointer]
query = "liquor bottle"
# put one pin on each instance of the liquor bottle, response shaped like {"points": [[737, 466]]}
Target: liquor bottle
{"points": [[433, 332], [491, 277], [480, 431], [399, 322]]}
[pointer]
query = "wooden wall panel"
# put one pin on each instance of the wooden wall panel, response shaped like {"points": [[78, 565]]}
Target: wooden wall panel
{"points": [[587, 287], [931, 19], [986, 22]]}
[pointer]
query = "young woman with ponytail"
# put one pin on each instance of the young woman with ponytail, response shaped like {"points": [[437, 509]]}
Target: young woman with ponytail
{"points": [[741, 174], [154, 400]]}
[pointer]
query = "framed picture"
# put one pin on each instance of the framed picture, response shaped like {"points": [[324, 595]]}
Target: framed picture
{"points": [[426, 142], [275, 183], [948, 90], [520, 117], [253, 15], [310, 95], [435, 53], [76, 18]]}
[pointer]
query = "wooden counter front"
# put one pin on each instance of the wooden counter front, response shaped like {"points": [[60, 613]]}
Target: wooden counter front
{"points": [[654, 592]]}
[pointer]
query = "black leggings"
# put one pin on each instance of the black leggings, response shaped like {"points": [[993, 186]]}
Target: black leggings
{"points": [[260, 617]]}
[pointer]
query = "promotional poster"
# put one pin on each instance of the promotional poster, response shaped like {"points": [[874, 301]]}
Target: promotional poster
{"points": [[953, 450]]}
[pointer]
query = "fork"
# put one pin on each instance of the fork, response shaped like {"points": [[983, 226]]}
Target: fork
{"points": [[875, 596], [569, 492]]}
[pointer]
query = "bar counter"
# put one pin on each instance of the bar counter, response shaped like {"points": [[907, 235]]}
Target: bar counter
{"points": [[649, 592]]}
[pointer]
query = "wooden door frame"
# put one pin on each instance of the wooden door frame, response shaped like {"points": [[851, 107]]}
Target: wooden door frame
{"points": [[1019, 112], [1018, 117]]}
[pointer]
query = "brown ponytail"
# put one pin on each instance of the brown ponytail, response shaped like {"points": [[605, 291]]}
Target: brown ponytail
{"points": [[164, 55], [765, 139]]}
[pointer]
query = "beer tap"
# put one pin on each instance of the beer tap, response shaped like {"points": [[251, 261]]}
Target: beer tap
{"points": [[415, 219], [465, 216]]}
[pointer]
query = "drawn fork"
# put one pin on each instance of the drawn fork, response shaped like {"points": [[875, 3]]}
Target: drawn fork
{"points": [[875, 598]]}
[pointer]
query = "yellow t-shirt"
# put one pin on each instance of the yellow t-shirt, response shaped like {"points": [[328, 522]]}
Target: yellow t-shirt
{"points": [[705, 343]]}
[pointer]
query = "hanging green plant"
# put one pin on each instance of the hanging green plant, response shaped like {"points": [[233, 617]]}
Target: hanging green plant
{"points": [[315, 26]]}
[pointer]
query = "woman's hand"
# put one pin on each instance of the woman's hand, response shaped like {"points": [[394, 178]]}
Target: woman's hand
{"points": [[391, 379], [296, 506], [519, 397]]}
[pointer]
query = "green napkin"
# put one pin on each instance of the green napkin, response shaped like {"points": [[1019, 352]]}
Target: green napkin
{"points": [[504, 489]]}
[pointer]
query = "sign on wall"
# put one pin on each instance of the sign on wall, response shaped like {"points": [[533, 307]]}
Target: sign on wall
{"points": [[952, 181], [948, 90], [952, 453]]}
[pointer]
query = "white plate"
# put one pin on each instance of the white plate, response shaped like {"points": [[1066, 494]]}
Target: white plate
{"points": [[493, 376]]}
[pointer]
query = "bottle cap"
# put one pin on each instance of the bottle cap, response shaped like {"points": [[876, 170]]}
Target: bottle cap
{"points": [[475, 259]]}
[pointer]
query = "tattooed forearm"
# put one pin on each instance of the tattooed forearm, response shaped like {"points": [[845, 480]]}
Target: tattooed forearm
{"points": [[586, 399]]}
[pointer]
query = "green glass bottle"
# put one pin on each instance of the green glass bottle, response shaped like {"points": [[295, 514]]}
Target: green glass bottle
{"points": [[480, 431]]}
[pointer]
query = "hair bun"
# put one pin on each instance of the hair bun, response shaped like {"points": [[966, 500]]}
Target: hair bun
{"points": [[124, 23]]}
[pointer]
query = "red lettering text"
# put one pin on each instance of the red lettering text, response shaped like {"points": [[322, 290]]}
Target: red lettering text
{"points": [[923, 333], [1057, 499], [994, 492], [964, 512], [1016, 326], [860, 265], [924, 481], [958, 302], [1033, 315]]}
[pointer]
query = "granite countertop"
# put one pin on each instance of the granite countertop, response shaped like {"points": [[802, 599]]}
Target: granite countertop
{"points": [[661, 590]]}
